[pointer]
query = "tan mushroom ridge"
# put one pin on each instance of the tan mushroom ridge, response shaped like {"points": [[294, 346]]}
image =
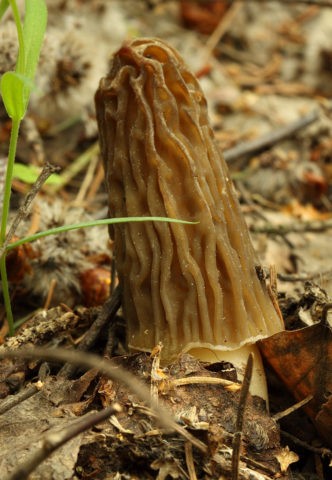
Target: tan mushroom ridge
{"points": [[192, 287]]}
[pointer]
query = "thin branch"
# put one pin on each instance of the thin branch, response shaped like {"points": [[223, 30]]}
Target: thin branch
{"points": [[324, 452], [112, 371], [24, 209], [305, 277], [318, 3], [240, 417], [269, 139], [19, 397], [55, 439], [228, 384], [225, 23], [188, 449], [293, 408], [293, 227], [106, 315], [115, 372]]}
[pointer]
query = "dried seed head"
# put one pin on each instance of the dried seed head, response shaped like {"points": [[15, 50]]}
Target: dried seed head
{"points": [[187, 286], [64, 259]]}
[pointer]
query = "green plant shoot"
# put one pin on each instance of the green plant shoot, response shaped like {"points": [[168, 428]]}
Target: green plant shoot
{"points": [[15, 89]]}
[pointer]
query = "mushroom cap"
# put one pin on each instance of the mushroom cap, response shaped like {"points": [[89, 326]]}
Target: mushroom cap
{"points": [[186, 286]]}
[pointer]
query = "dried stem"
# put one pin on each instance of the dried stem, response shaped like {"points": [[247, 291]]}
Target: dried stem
{"points": [[240, 417], [24, 209], [269, 139], [105, 316], [207, 381], [14, 400], [111, 370], [324, 452], [222, 28], [293, 408], [188, 448], [293, 227], [55, 439]]}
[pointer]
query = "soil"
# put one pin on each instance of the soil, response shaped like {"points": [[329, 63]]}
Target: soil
{"points": [[266, 70]]}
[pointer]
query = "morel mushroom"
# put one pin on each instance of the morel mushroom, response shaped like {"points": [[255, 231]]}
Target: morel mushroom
{"points": [[192, 287]]}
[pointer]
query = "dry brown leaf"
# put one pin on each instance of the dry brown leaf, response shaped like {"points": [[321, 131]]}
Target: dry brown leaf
{"points": [[305, 212], [324, 419], [203, 17], [303, 361]]}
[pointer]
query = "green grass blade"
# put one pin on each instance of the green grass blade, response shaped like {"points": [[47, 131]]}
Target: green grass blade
{"points": [[93, 223]]}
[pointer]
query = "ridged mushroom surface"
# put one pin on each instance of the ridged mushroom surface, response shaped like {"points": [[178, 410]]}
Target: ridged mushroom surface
{"points": [[187, 286]]}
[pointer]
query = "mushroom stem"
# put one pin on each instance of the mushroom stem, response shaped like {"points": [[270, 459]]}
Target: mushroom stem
{"points": [[191, 287], [238, 358]]}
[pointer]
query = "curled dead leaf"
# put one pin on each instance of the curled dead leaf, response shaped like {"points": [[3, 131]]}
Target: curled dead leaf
{"points": [[303, 361]]}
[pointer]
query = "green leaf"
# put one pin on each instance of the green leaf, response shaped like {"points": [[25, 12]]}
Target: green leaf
{"points": [[15, 89], [25, 173], [4, 4], [34, 27], [54, 179], [30, 173], [17, 19]]}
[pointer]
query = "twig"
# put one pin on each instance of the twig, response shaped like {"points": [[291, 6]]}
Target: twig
{"points": [[293, 227], [112, 371], [318, 3], [188, 450], [85, 184], [115, 372], [50, 294], [259, 466], [23, 211], [305, 277], [110, 307], [75, 167], [177, 382], [240, 417], [106, 315], [245, 473], [116, 326], [324, 452], [293, 408], [14, 400], [55, 439], [269, 139], [224, 24]]}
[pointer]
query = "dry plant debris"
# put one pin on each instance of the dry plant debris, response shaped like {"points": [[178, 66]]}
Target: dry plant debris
{"points": [[264, 67], [133, 442], [303, 360]]}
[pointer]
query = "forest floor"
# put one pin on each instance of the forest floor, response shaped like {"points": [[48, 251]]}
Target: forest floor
{"points": [[266, 70]]}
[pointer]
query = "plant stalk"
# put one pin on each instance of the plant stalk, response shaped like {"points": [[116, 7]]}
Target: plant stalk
{"points": [[4, 220], [9, 175]]}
